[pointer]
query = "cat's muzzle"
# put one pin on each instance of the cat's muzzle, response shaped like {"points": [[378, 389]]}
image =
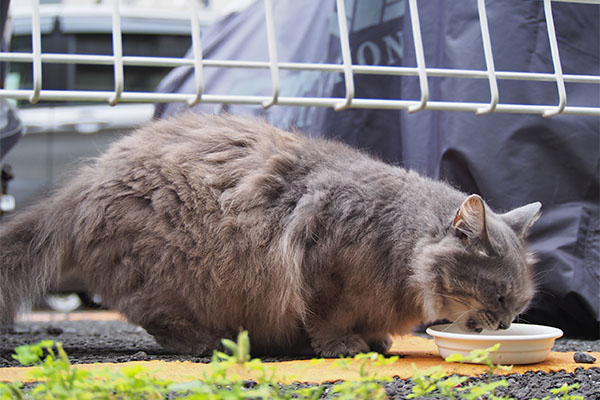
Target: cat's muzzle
{"points": [[486, 320]]}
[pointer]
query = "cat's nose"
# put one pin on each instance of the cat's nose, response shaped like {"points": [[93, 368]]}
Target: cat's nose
{"points": [[503, 325]]}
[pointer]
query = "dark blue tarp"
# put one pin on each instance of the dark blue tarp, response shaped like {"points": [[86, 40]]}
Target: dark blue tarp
{"points": [[510, 159]]}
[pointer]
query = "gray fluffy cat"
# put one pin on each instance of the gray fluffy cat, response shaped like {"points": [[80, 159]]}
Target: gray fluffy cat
{"points": [[197, 226]]}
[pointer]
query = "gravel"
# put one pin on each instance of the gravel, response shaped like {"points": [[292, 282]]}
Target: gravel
{"points": [[119, 341], [583, 358], [523, 386]]}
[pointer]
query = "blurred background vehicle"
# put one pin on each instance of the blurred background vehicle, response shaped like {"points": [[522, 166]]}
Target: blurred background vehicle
{"points": [[11, 128], [58, 134]]}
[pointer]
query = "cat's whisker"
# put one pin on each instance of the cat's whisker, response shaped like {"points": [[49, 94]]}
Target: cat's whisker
{"points": [[541, 291], [521, 319], [457, 319], [540, 274]]}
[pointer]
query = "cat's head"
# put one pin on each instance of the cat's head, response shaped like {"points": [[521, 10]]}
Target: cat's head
{"points": [[480, 274]]}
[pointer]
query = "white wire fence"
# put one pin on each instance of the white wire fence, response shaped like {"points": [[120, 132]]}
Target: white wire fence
{"points": [[38, 59]]}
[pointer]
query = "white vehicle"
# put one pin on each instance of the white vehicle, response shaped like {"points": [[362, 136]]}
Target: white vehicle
{"points": [[57, 134]]}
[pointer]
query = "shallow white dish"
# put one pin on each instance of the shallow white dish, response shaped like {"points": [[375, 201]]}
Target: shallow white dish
{"points": [[519, 344]]}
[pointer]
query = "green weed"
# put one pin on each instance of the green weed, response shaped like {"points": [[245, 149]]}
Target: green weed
{"points": [[562, 393], [57, 379], [369, 385], [481, 356]]}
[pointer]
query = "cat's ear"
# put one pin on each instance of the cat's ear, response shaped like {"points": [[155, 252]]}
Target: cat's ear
{"points": [[470, 218], [520, 219]]}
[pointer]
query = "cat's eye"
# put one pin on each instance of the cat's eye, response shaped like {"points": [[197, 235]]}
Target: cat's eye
{"points": [[501, 299]]}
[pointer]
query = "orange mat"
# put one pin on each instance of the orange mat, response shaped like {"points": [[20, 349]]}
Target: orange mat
{"points": [[72, 316], [415, 350]]}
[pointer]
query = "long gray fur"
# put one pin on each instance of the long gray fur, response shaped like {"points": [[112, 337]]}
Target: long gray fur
{"points": [[198, 226]]}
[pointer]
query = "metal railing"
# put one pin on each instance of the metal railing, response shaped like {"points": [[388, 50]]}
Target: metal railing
{"points": [[349, 70]]}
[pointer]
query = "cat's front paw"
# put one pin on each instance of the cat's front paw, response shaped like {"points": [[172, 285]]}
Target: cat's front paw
{"points": [[380, 345], [347, 346]]}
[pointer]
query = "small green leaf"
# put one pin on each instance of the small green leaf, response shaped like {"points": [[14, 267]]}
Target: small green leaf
{"points": [[455, 358]]}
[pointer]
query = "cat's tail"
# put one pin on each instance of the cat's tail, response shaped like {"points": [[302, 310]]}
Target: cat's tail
{"points": [[32, 250]]}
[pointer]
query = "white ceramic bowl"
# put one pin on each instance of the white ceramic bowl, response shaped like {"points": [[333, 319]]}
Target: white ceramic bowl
{"points": [[519, 344]]}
